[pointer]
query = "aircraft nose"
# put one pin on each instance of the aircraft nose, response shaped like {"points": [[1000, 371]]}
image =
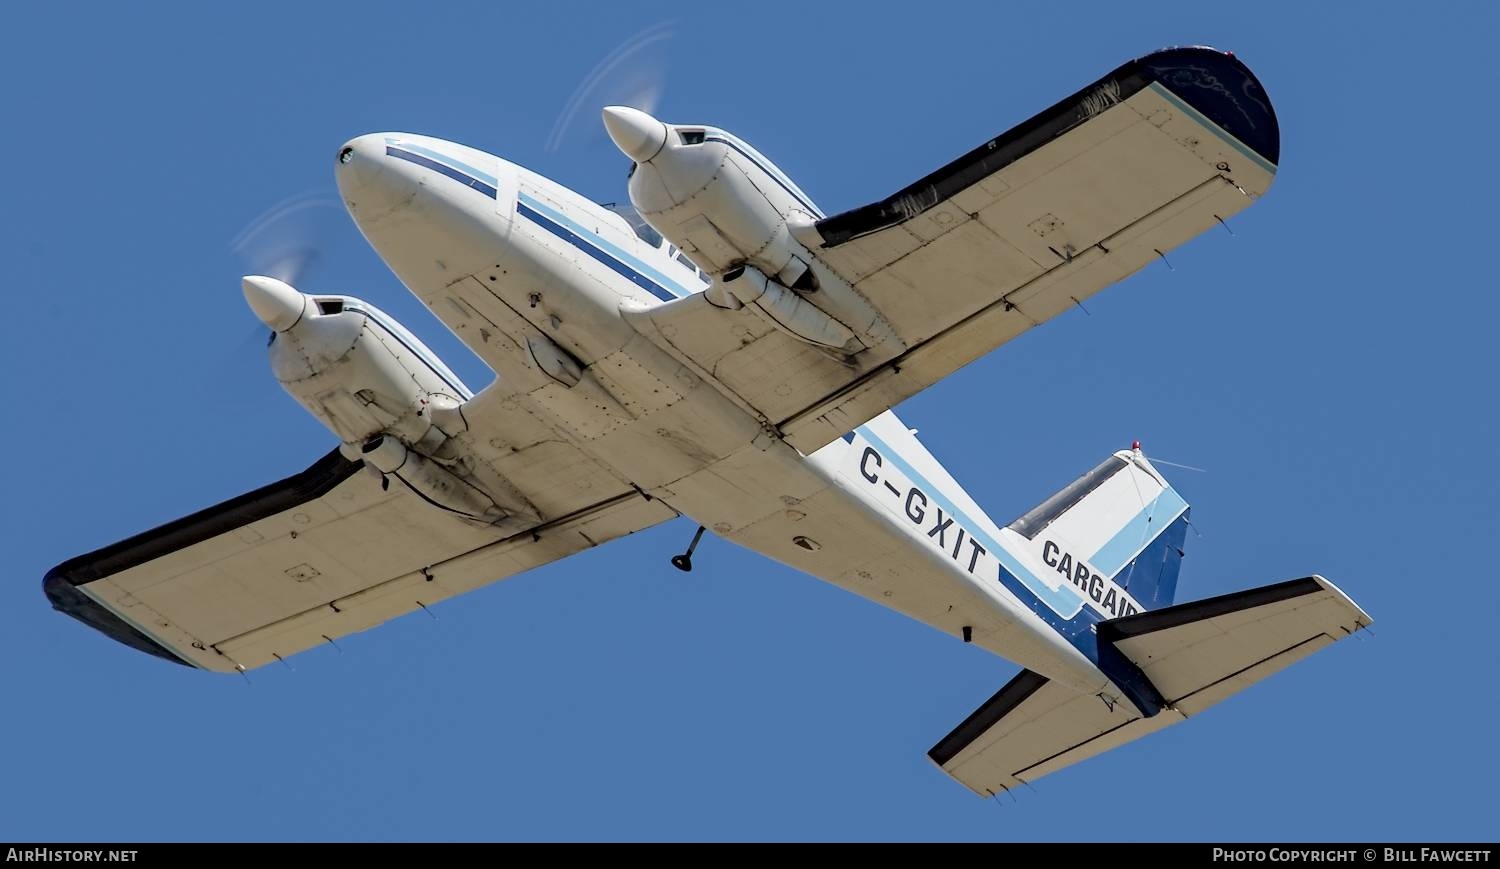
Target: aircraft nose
{"points": [[368, 183]]}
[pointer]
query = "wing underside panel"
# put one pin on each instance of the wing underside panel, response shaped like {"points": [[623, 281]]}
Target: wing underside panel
{"points": [[320, 555]]}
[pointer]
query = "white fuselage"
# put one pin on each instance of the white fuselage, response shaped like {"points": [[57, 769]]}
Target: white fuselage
{"points": [[540, 282]]}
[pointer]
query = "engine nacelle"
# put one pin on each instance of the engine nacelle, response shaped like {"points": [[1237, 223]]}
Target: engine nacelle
{"points": [[788, 311], [362, 374], [391, 402], [747, 223], [430, 480], [716, 197]]}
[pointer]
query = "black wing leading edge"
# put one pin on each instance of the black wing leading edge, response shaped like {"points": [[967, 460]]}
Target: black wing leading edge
{"points": [[1211, 82], [62, 582]]}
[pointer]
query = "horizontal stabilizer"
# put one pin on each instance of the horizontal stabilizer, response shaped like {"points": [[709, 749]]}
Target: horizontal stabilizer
{"points": [[1198, 653], [1033, 727], [1195, 654]]}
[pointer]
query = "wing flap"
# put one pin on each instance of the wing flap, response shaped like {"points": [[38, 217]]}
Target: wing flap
{"points": [[421, 588]]}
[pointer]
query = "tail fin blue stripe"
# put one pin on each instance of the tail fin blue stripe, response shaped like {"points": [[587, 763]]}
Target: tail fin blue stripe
{"points": [[1151, 577], [1138, 533]]}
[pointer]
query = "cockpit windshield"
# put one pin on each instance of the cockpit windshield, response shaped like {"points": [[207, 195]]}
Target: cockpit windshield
{"points": [[637, 223]]}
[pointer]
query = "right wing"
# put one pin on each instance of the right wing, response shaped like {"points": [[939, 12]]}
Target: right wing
{"points": [[329, 552], [1022, 228]]}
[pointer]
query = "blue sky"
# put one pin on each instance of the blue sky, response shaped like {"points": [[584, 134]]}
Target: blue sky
{"points": [[1331, 365]]}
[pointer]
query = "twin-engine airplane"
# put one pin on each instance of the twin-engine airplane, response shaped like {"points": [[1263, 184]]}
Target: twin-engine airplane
{"points": [[726, 352]]}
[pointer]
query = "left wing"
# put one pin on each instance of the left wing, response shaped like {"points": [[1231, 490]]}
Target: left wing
{"points": [[330, 551], [1004, 238]]}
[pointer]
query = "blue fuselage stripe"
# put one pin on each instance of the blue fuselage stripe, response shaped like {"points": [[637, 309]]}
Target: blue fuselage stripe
{"points": [[617, 259], [439, 156], [488, 189], [1060, 599]]}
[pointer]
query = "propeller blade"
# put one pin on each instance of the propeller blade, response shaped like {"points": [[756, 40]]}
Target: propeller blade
{"points": [[291, 237], [633, 74]]}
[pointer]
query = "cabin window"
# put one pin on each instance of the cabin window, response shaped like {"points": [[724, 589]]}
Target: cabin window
{"points": [[638, 224]]}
